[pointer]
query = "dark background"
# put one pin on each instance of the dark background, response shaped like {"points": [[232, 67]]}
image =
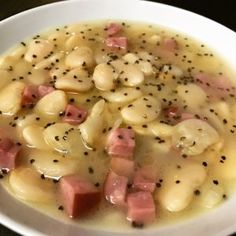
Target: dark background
{"points": [[221, 11]]}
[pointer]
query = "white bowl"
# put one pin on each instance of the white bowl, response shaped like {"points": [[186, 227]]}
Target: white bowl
{"points": [[27, 221]]}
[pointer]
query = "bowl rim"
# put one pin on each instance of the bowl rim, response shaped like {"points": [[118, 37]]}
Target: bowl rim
{"points": [[26, 230]]}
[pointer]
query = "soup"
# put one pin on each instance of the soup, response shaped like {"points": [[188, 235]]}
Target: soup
{"points": [[117, 123]]}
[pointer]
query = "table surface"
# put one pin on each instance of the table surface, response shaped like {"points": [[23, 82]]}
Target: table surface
{"points": [[221, 11]]}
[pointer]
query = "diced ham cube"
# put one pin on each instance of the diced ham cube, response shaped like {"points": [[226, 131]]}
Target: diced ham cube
{"points": [[115, 188], [78, 196], [44, 90], [215, 86], [30, 95], [170, 44], [8, 154], [113, 29], [141, 207], [117, 42], [144, 179], [121, 142], [122, 166], [74, 115]]}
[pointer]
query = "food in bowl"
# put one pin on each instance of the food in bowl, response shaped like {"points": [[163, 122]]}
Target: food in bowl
{"points": [[120, 117]]}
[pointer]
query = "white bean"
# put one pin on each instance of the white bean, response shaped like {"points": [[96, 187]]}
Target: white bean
{"points": [[5, 78], [130, 57], [155, 39], [142, 110], [77, 80], [177, 192], [58, 38], [27, 185], [192, 95], [60, 71], [129, 74], [52, 60], [176, 198], [174, 70], [74, 41], [81, 56], [161, 129], [24, 121], [132, 76], [52, 164], [38, 49], [63, 138], [104, 77], [211, 195], [10, 98], [122, 95], [38, 77], [198, 173], [143, 65], [161, 147], [226, 170], [33, 135], [21, 68], [91, 129], [18, 52], [193, 136], [52, 104]]}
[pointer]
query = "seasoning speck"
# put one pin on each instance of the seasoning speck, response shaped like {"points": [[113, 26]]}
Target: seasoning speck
{"points": [[137, 225]]}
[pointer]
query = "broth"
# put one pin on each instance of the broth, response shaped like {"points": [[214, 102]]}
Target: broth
{"points": [[191, 83]]}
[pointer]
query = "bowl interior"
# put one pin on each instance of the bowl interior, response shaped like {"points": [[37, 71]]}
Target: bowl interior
{"points": [[26, 220]]}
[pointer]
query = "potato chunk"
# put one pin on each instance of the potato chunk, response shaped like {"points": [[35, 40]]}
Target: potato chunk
{"points": [[142, 110], [10, 98], [52, 104], [193, 136]]}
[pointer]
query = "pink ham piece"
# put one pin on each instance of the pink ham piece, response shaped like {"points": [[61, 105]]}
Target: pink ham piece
{"points": [[170, 44], [117, 42], [144, 179], [214, 86], [74, 115], [44, 90], [175, 115], [8, 154], [121, 142], [122, 166], [113, 29], [115, 189], [187, 116], [78, 196], [30, 95], [141, 207]]}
